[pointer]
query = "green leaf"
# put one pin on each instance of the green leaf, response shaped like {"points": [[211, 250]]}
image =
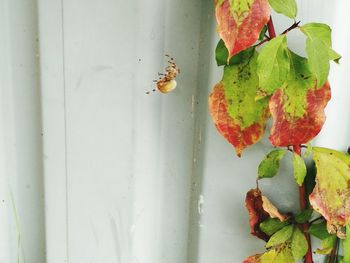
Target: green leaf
{"points": [[346, 245], [318, 49], [334, 55], [322, 32], [272, 225], [318, 30], [262, 33], [280, 237], [318, 56], [269, 167], [319, 230], [273, 66], [242, 56], [309, 181], [299, 244], [299, 168], [285, 7], [304, 216], [221, 55]]}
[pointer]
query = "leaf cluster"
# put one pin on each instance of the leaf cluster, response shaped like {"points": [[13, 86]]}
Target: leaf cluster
{"points": [[263, 77], [285, 240], [284, 78], [270, 165]]}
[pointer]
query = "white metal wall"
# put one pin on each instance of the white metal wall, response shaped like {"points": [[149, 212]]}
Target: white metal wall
{"points": [[130, 177], [22, 224]]}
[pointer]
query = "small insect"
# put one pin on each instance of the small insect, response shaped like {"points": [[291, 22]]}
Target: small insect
{"points": [[166, 81]]}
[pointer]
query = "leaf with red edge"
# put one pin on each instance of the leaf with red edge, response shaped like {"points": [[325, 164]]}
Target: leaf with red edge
{"points": [[240, 22], [236, 114], [288, 245], [331, 195], [260, 208], [279, 254], [257, 214], [297, 108]]}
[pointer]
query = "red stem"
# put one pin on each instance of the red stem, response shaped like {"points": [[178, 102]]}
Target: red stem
{"points": [[303, 206], [302, 192], [271, 28]]}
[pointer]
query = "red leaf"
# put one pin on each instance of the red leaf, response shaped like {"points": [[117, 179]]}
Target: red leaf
{"points": [[236, 114], [239, 24], [298, 108], [253, 259], [257, 214], [288, 130], [239, 137]]}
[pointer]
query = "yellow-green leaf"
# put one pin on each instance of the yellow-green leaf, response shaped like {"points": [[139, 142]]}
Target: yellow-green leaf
{"points": [[308, 150], [334, 55], [298, 244], [331, 195], [299, 169], [318, 30], [327, 245], [346, 245], [269, 167], [273, 66], [322, 32], [279, 254], [280, 237], [285, 7]]}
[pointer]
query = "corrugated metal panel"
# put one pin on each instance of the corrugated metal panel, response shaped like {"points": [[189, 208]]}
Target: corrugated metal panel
{"points": [[22, 194], [131, 177]]}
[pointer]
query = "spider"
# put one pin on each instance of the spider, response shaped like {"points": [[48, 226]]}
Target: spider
{"points": [[166, 82]]}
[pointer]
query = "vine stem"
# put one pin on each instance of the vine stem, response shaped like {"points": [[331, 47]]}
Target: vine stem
{"points": [[295, 25], [303, 206], [302, 190]]}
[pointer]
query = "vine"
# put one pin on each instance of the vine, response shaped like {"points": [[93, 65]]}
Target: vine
{"points": [[264, 79]]}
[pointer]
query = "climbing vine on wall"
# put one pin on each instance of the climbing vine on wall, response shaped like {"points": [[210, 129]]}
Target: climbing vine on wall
{"points": [[264, 79]]}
